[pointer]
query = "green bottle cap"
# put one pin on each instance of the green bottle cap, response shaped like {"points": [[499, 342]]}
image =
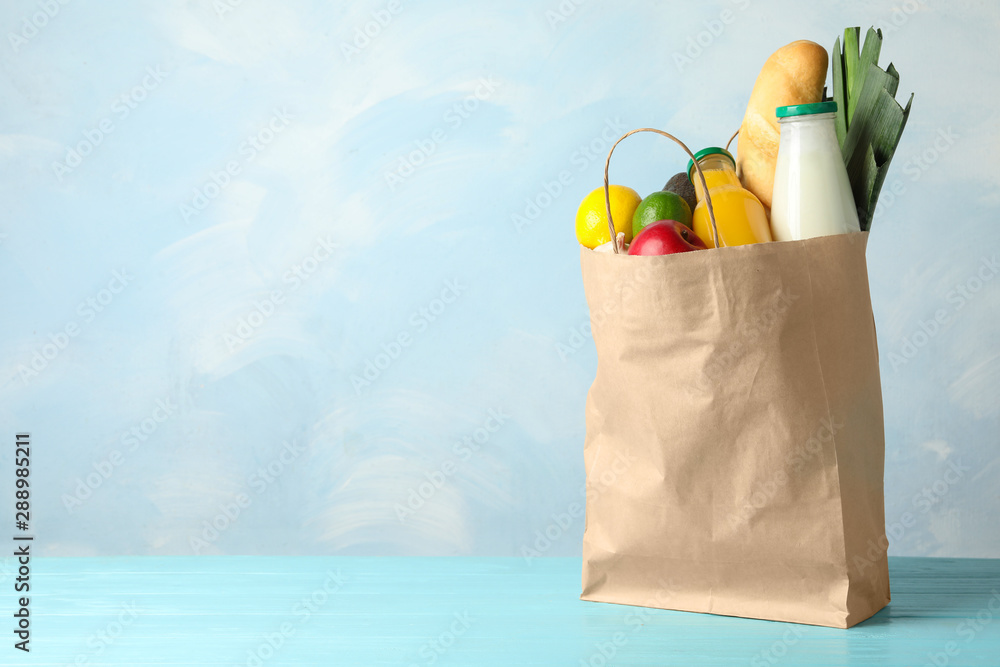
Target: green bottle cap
{"points": [[805, 109], [705, 152]]}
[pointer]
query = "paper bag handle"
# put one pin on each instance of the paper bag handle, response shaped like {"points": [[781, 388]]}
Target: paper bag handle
{"points": [[701, 176], [731, 139]]}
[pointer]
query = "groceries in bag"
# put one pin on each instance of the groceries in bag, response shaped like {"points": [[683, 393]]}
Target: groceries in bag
{"points": [[765, 374], [665, 237], [794, 74], [592, 217], [868, 125], [870, 121], [661, 205], [680, 184], [812, 196], [738, 213]]}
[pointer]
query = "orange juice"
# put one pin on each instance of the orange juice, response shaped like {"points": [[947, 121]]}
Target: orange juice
{"points": [[739, 215]]}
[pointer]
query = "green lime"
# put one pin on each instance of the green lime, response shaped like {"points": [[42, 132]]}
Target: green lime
{"points": [[662, 205]]}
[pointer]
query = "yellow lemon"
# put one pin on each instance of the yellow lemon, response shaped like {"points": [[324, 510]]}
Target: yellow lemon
{"points": [[592, 216]]}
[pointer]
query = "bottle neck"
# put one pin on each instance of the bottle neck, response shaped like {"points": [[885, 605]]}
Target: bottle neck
{"points": [[822, 123], [718, 171]]}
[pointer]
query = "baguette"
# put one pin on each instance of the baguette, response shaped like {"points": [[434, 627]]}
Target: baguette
{"points": [[794, 74]]}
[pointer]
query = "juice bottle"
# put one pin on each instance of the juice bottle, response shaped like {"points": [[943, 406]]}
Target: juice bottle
{"points": [[739, 215]]}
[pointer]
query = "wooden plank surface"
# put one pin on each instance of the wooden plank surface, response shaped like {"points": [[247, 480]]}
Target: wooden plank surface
{"points": [[248, 610]]}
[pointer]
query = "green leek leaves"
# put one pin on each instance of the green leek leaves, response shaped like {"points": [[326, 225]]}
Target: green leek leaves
{"points": [[869, 119]]}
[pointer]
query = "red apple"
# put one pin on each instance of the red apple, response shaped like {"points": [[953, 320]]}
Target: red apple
{"points": [[665, 237]]}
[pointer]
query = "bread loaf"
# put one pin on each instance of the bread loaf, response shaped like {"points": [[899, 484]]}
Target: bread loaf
{"points": [[794, 74]]}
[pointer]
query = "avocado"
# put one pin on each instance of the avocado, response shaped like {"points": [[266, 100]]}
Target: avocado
{"points": [[680, 185]]}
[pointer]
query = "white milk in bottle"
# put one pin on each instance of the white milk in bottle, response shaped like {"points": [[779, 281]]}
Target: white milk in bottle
{"points": [[812, 194]]}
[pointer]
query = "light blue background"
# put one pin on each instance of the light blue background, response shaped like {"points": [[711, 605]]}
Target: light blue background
{"points": [[356, 453]]}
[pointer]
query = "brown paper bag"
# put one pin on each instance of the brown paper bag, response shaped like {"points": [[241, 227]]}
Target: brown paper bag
{"points": [[735, 448]]}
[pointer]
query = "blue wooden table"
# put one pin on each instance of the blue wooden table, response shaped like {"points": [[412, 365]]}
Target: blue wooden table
{"points": [[458, 611]]}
